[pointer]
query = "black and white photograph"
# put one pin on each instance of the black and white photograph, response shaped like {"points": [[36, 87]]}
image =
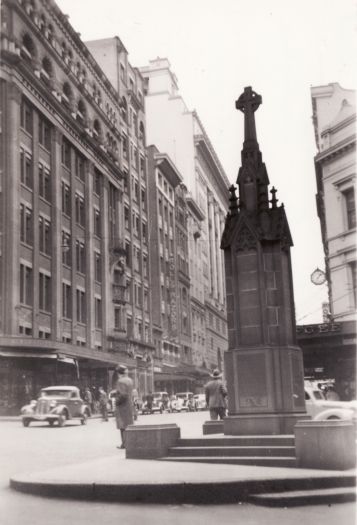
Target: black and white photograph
{"points": [[178, 283]]}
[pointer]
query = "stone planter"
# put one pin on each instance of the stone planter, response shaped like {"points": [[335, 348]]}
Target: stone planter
{"points": [[150, 441], [328, 444]]}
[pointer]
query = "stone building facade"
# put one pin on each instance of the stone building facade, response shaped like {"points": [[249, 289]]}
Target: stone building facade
{"points": [[74, 259], [330, 348], [180, 133]]}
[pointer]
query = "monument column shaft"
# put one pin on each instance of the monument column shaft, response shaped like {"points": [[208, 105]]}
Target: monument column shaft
{"points": [[263, 364]]}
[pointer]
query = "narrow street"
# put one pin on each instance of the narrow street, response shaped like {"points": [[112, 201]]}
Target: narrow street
{"points": [[40, 447]]}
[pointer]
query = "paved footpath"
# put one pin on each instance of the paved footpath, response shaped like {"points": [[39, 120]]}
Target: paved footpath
{"points": [[115, 478]]}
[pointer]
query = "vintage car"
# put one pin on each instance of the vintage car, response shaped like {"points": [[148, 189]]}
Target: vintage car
{"points": [[188, 401], [176, 404], [200, 401], [320, 408], [56, 404]]}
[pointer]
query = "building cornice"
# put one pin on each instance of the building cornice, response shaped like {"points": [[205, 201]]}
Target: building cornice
{"points": [[336, 150]]}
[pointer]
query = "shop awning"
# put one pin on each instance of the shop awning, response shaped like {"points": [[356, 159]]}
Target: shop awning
{"points": [[37, 355]]}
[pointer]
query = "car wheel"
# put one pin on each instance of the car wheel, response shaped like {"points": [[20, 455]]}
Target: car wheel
{"points": [[26, 422], [333, 417], [51, 422], [84, 418], [62, 418]]}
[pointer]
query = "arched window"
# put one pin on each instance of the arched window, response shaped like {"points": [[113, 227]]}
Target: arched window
{"points": [[124, 109], [49, 33], [42, 22], [46, 70], [184, 295], [63, 49], [142, 133], [28, 49], [97, 129], [81, 112], [67, 95]]}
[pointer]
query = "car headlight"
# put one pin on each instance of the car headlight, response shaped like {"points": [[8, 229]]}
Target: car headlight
{"points": [[53, 404]]}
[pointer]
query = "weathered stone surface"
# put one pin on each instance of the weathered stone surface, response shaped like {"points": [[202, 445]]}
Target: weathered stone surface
{"points": [[150, 441], [328, 444]]}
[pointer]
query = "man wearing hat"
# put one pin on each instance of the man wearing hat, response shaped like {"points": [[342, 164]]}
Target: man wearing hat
{"points": [[216, 394], [124, 406]]}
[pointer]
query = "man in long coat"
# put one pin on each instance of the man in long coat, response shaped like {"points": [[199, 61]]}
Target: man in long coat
{"points": [[124, 406], [216, 394]]}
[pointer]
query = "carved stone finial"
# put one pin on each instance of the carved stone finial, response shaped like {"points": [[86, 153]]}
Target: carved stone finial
{"points": [[233, 200], [273, 200], [248, 103]]}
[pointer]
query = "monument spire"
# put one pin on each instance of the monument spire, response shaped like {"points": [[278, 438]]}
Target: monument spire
{"points": [[248, 103], [252, 179]]}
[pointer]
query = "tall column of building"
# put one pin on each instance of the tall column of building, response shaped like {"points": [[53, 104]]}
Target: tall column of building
{"points": [[35, 222], [211, 241], [88, 199], [106, 270], [12, 211], [57, 244], [218, 236]]}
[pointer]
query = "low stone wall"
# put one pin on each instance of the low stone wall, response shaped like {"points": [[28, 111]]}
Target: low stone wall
{"points": [[328, 444], [150, 441]]}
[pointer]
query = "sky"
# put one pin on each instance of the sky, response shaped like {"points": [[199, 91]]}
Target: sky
{"points": [[279, 47]]}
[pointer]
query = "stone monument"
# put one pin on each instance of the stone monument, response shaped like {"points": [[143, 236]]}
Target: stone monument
{"points": [[263, 364]]}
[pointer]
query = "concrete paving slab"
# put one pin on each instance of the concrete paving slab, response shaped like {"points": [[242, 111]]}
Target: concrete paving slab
{"points": [[115, 478]]}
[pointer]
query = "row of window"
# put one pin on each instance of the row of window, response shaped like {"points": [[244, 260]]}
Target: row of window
{"points": [[44, 224], [45, 297]]}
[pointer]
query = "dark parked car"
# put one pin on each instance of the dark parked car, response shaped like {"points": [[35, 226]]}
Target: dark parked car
{"points": [[56, 404]]}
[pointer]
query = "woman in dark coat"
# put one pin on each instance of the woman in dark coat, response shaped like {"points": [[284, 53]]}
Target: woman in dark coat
{"points": [[124, 405]]}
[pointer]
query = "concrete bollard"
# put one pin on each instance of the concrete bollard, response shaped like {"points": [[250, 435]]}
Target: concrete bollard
{"points": [[328, 444], [150, 441]]}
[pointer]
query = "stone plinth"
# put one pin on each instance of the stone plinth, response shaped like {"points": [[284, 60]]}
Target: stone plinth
{"points": [[213, 427], [262, 424], [328, 444], [150, 441]]}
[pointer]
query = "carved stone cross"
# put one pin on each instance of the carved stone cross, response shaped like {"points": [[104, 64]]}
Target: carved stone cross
{"points": [[248, 103]]}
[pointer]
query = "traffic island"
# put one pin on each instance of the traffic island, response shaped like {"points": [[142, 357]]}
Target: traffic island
{"points": [[328, 444], [150, 441]]}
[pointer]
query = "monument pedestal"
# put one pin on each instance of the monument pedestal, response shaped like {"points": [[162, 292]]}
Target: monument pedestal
{"points": [[262, 424]]}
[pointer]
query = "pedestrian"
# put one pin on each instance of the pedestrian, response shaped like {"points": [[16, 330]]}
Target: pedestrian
{"points": [[103, 403], [124, 406], [149, 402], [88, 398], [216, 394]]}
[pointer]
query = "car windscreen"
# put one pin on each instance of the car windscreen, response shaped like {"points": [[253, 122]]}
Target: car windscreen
{"points": [[56, 393]]}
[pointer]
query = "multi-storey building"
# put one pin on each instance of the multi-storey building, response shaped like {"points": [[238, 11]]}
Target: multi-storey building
{"points": [[180, 133], [74, 262], [170, 282], [334, 118], [330, 348]]}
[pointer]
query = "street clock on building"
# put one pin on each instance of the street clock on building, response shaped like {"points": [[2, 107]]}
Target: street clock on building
{"points": [[318, 276]]}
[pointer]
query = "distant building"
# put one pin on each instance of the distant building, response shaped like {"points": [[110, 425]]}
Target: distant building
{"points": [[179, 132], [170, 281], [330, 347], [334, 119], [74, 268]]}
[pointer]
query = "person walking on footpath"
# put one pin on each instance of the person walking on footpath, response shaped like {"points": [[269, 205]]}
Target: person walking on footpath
{"points": [[124, 406], [216, 394], [103, 403]]}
